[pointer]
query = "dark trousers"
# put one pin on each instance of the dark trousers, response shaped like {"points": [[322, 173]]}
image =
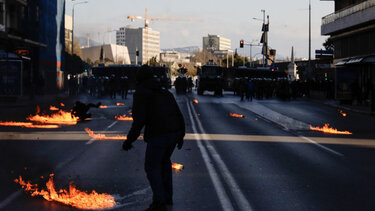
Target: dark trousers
{"points": [[158, 166]]}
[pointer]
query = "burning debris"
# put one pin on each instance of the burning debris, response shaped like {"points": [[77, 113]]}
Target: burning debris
{"points": [[80, 110], [120, 104], [72, 197], [342, 113], [103, 136], [236, 115], [195, 101], [62, 104], [327, 129], [177, 167], [53, 108], [124, 118], [27, 125], [103, 106], [60, 118]]}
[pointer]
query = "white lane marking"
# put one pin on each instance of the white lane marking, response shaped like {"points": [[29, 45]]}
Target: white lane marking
{"points": [[135, 193], [219, 188], [92, 140], [111, 125], [321, 146], [10, 198], [233, 186]]}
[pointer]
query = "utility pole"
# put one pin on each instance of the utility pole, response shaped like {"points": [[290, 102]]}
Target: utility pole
{"points": [[310, 71], [73, 23], [264, 45]]}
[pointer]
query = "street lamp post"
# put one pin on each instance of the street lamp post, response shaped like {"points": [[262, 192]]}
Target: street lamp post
{"points": [[73, 23]]}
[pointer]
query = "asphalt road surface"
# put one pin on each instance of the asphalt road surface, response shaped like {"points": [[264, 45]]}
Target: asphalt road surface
{"points": [[268, 160]]}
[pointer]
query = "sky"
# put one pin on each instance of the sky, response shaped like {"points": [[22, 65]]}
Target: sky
{"points": [[231, 19]]}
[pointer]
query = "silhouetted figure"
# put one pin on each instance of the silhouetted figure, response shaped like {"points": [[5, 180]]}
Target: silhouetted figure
{"points": [[124, 87], [155, 108], [80, 110], [250, 91], [243, 88]]}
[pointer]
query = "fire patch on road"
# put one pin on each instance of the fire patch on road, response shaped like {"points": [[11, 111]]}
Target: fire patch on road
{"points": [[71, 196]]}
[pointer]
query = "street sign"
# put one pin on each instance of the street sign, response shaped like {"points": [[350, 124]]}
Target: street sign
{"points": [[324, 52]]}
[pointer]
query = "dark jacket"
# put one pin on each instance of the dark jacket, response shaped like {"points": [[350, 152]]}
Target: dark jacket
{"points": [[155, 109]]}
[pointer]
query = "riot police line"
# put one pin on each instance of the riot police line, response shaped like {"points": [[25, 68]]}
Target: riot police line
{"points": [[112, 80]]}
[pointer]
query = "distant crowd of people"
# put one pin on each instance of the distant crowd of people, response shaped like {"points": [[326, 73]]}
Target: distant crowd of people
{"points": [[282, 88], [99, 86]]}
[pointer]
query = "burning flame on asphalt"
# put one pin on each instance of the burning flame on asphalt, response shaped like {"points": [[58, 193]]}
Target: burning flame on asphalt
{"points": [[103, 106], [53, 108], [342, 113], [72, 196], [327, 129], [177, 167], [27, 125], [61, 117], [236, 115], [195, 101], [124, 118], [103, 136], [120, 104]]}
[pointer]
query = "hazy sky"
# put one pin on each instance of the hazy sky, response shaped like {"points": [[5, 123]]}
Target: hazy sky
{"points": [[231, 19]]}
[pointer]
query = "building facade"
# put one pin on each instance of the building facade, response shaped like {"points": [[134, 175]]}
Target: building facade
{"points": [[143, 44], [214, 43], [175, 57], [117, 54], [68, 32], [120, 36], [34, 32], [352, 33]]}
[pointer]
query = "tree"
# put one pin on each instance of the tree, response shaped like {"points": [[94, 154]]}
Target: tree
{"points": [[329, 45], [203, 57], [77, 48], [153, 61]]}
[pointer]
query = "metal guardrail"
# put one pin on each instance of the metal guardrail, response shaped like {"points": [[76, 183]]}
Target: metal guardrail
{"points": [[349, 11]]}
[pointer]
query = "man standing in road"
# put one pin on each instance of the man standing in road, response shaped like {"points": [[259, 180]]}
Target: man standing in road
{"points": [[155, 108]]}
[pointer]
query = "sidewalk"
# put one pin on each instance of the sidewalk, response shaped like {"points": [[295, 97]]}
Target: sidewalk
{"points": [[319, 98], [26, 101]]}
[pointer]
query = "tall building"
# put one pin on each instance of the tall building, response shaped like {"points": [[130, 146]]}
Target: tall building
{"points": [[214, 43], [145, 41], [120, 36], [352, 33], [68, 32]]}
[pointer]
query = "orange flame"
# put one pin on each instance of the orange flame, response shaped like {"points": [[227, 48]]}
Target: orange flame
{"points": [[53, 108], [103, 106], [103, 136], [62, 104], [342, 113], [61, 117], [37, 109], [72, 196], [120, 104], [124, 118], [327, 129], [236, 115], [27, 125], [195, 101], [177, 167]]}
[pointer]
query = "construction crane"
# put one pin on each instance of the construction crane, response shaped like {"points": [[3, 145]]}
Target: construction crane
{"points": [[148, 19]]}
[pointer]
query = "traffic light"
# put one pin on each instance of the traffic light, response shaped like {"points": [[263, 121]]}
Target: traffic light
{"points": [[137, 53], [241, 43]]}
